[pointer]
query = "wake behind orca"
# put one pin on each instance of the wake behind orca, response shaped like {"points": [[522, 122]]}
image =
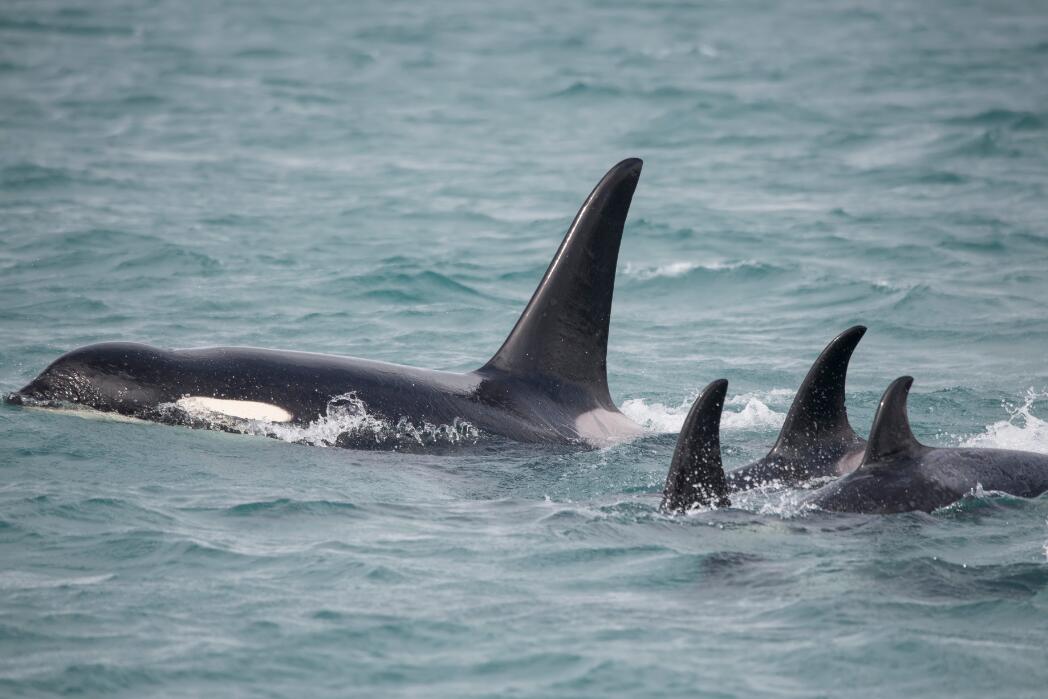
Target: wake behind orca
{"points": [[546, 384], [897, 473]]}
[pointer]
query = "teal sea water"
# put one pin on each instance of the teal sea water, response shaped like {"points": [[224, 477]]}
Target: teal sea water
{"points": [[389, 180]]}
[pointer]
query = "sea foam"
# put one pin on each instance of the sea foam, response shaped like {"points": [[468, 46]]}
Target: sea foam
{"points": [[754, 412], [1021, 430]]}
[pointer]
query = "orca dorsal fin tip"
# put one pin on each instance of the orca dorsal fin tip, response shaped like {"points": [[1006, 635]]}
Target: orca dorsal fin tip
{"points": [[562, 335], [818, 411], [696, 475], [891, 434]]}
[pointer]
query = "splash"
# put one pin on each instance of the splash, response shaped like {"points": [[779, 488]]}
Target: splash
{"points": [[785, 504], [1022, 430], [346, 423], [755, 414], [777, 396], [345, 418]]}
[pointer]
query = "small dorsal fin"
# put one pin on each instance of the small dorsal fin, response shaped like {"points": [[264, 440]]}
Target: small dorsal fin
{"points": [[818, 413], [891, 435], [563, 333], [696, 475]]}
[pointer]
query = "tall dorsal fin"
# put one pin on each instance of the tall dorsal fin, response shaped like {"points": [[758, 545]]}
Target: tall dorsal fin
{"points": [[696, 475], [563, 333], [818, 413], [891, 435]]}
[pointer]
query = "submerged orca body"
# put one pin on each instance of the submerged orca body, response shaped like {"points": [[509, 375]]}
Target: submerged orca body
{"points": [[816, 439], [547, 383], [896, 474]]}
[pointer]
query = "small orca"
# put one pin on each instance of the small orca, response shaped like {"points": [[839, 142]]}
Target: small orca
{"points": [[897, 473], [546, 384], [696, 475], [816, 438]]}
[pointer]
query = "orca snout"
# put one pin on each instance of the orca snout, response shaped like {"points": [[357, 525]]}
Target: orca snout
{"points": [[52, 385], [103, 376]]}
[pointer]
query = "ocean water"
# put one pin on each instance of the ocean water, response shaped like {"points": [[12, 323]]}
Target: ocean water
{"points": [[389, 180]]}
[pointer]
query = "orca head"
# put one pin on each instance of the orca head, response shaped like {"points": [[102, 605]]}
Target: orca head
{"points": [[113, 376]]}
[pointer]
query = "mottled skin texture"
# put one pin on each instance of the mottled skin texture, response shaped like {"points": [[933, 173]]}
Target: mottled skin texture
{"points": [[547, 384]]}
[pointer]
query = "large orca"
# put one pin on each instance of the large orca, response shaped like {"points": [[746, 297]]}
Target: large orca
{"points": [[816, 439], [897, 473], [546, 384]]}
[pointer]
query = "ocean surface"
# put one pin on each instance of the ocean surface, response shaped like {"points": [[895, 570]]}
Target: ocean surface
{"points": [[389, 180]]}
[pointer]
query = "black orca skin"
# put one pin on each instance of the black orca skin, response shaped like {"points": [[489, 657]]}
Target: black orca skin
{"points": [[897, 473], [547, 384], [816, 438]]}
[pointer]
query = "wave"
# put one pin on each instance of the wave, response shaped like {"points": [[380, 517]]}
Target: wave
{"points": [[1016, 120], [979, 499], [1022, 430], [589, 90], [73, 29], [282, 507], [755, 413], [672, 270], [21, 580], [30, 175]]}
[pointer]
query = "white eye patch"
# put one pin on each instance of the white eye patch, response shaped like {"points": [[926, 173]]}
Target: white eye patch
{"points": [[243, 409]]}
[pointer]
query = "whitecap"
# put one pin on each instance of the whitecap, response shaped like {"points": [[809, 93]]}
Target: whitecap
{"points": [[671, 270], [755, 413]]}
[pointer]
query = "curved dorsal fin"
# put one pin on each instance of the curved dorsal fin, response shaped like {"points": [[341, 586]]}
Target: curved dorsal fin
{"points": [[818, 413], [563, 333], [891, 435], [696, 475]]}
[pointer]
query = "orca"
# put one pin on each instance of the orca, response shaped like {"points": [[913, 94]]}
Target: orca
{"points": [[696, 476], [546, 384], [816, 439], [897, 473]]}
